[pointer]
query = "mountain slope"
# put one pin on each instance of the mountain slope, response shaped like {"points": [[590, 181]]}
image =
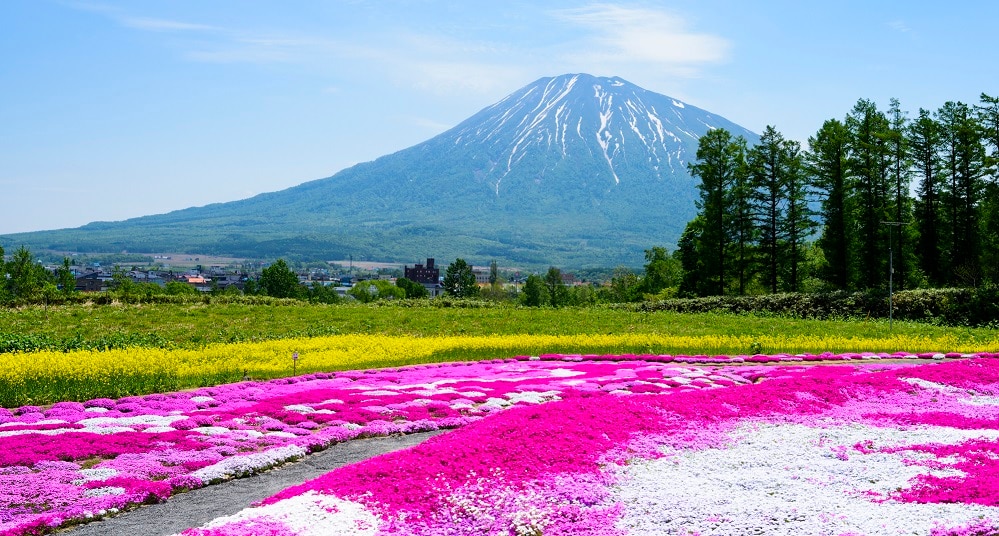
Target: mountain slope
{"points": [[573, 171]]}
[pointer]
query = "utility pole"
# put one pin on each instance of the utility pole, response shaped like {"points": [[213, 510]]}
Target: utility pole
{"points": [[891, 269]]}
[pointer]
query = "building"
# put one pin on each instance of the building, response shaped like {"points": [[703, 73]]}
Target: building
{"points": [[91, 282], [424, 274], [427, 275], [481, 275]]}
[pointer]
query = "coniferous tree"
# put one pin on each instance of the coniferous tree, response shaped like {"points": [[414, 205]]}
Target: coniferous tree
{"points": [[798, 222], [988, 118], [493, 273], [964, 157], [901, 233], [766, 160], [925, 143], [717, 166], [459, 280], [780, 207], [558, 294], [826, 165], [691, 264], [868, 162], [744, 231]]}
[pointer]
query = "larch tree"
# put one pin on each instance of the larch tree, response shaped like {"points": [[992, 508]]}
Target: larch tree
{"points": [[743, 225], [768, 167], [988, 118], [717, 166], [798, 222], [964, 157], [868, 165], [826, 165], [901, 233], [925, 144]]}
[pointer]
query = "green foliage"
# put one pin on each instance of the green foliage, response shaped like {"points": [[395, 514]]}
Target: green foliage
{"points": [[376, 289], [948, 307], [32, 342], [555, 288], [364, 291], [65, 278], [459, 280], [25, 277], [4, 293], [279, 281], [499, 293], [661, 272], [827, 166], [582, 296], [179, 288], [320, 293], [718, 163], [533, 293], [252, 288], [413, 289], [624, 286]]}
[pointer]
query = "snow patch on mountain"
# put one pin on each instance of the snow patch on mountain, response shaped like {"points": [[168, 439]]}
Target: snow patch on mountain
{"points": [[562, 119]]}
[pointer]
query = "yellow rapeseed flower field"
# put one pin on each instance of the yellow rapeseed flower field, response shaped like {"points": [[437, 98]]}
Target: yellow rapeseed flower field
{"points": [[46, 377]]}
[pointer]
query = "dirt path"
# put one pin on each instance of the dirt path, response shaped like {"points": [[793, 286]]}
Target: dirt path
{"points": [[197, 507]]}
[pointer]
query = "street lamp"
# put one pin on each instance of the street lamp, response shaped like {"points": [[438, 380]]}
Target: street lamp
{"points": [[891, 269]]}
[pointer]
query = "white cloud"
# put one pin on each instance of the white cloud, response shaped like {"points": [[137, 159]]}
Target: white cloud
{"points": [[431, 125], [163, 25], [623, 35], [448, 77], [899, 26]]}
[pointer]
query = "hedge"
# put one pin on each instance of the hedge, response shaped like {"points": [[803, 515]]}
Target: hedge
{"points": [[947, 306]]}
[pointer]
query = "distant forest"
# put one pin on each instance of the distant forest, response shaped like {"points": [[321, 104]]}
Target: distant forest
{"points": [[879, 196]]}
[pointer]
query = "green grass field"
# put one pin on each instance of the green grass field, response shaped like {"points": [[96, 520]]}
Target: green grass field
{"points": [[195, 325], [162, 347]]}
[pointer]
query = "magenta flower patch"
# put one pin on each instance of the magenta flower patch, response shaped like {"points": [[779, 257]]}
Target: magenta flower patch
{"points": [[553, 444], [855, 449], [75, 461]]}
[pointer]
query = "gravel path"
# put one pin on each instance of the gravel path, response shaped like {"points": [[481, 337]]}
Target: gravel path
{"points": [[197, 507]]}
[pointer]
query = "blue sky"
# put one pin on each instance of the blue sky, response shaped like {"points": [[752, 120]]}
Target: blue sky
{"points": [[111, 110]]}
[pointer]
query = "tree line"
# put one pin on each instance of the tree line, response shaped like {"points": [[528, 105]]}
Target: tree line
{"points": [[24, 280], [876, 195]]}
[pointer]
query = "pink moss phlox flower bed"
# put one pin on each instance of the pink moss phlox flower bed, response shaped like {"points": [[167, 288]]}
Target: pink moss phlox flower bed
{"points": [[77, 461], [565, 438], [859, 449]]}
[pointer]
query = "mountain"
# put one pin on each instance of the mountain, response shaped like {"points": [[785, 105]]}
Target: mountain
{"points": [[572, 171]]}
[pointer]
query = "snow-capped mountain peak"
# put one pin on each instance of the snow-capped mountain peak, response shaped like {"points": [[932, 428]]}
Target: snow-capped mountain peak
{"points": [[615, 122]]}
